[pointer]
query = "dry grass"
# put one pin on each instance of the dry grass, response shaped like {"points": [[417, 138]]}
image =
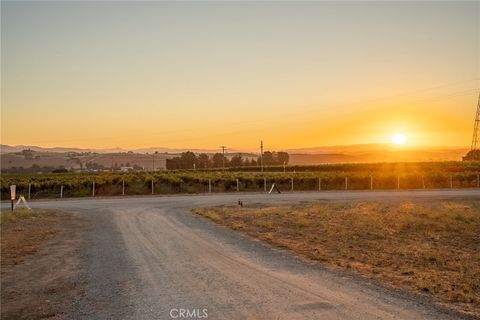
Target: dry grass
{"points": [[24, 232], [39, 263], [428, 247]]}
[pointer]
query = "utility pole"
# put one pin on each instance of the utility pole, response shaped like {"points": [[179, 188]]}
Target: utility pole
{"points": [[153, 162], [261, 154], [223, 156]]}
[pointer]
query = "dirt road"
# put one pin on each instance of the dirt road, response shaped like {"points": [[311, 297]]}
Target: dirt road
{"points": [[149, 258]]}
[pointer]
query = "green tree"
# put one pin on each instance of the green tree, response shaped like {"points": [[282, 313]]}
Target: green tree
{"points": [[283, 157], [236, 161], [188, 159], [203, 161], [267, 158], [217, 160]]}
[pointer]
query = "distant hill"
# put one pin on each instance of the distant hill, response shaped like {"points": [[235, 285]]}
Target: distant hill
{"points": [[378, 156], [60, 157], [374, 153], [9, 149]]}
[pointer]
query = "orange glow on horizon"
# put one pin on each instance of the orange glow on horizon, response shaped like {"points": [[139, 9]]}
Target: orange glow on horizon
{"points": [[199, 75]]}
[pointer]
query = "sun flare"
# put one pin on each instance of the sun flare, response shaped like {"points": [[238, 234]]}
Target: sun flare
{"points": [[399, 138]]}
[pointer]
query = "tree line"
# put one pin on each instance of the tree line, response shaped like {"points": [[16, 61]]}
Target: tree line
{"points": [[189, 160]]}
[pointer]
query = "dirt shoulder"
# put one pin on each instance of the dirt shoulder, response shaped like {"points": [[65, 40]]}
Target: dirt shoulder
{"points": [[40, 252], [429, 248]]}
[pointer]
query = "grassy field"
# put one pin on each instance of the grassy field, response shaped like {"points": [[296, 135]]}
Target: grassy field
{"points": [[383, 176], [430, 247]]}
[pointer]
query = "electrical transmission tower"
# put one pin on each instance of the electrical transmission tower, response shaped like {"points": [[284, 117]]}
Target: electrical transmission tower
{"points": [[475, 127], [474, 153]]}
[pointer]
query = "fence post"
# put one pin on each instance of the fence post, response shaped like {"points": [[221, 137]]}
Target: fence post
{"points": [[265, 184], [398, 182], [371, 182], [451, 182], [93, 189], [319, 184], [61, 192], [209, 185], [123, 187], [29, 189], [238, 186], [423, 182], [292, 184], [152, 187], [346, 183]]}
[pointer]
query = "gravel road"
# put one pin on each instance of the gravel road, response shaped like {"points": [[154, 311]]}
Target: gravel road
{"points": [[150, 257]]}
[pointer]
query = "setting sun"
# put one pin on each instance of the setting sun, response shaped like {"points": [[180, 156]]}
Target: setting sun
{"points": [[399, 138]]}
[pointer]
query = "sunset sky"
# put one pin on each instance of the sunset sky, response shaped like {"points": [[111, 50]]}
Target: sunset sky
{"points": [[205, 74]]}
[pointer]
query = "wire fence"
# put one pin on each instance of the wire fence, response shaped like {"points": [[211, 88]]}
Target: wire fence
{"points": [[155, 185]]}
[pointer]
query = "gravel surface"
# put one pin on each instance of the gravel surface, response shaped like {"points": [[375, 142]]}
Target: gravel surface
{"points": [[145, 256]]}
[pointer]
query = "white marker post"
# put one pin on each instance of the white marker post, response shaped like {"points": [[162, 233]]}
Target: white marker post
{"points": [[152, 187], [123, 187], [238, 186], [29, 190], [209, 185], [93, 189], [13, 193], [61, 192], [291, 180]]}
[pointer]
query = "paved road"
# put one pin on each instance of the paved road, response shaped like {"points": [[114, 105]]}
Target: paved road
{"points": [[146, 256]]}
